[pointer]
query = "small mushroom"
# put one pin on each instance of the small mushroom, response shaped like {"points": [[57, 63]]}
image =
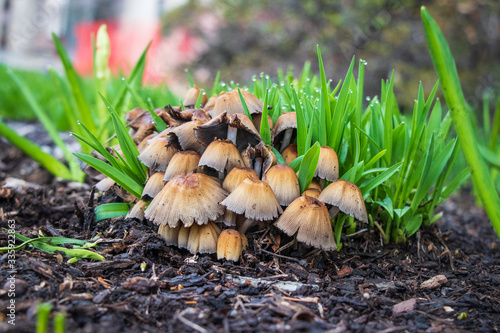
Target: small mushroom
{"points": [[182, 162], [284, 128], [230, 102], [230, 245], [346, 197], [192, 97], [137, 210], [153, 186], [255, 199], [203, 238], [184, 135], [232, 180], [145, 142], [328, 166], [260, 158], [289, 154], [220, 128], [170, 235], [309, 218], [221, 155], [312, 192], [105, 184], [157, 154], [284, 183], [191, 198]]}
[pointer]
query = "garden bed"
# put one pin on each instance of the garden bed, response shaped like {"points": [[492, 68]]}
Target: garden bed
{"points": [[146, 286]]}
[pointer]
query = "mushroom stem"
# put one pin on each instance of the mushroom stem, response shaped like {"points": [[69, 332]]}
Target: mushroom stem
{"points": [[286, 139], [229, 218], [221, 174], [231, 133], [257, 166], [322, 182], [247, 224], [334, 211]]}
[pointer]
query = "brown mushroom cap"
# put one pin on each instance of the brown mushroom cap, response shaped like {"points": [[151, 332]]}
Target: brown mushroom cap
{"points": [[184, 135], [192, 96], [221, 155], [183, 236], [315, 184], [284, 183], [137, 210], [169, 235], [157, 154], [290, 153], [183, 116], [229, 245], [285, 121], [328, 164], [191, 198], [231, 103], [236, 176], [182, 162], [309, 218], [312, 192], [210, 104], [255, 199], [153, 186], [203, 238], [144, 143], [217, 129], [347, 197], [105, 184], [257, 119]]}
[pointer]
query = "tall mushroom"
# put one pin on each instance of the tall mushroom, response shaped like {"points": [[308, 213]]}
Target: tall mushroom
{"points": [[328, 166], [284, 128]]}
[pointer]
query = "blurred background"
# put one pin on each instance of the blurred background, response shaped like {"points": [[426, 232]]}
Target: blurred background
{"points": [[243, 38]]}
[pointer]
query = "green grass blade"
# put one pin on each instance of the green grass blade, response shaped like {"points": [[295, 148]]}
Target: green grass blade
{"points": [[74, 80], [245, 107], [190, 78], [301, 124], [111, 210], [324, 91], [215, 87], [125, 181], [265, 131], [158, 122], [369, 185], [452, 90], [308, 166], [76, 173], [34, 151]]}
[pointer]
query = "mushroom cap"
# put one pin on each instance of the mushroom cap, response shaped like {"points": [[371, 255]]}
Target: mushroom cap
{"points": [[347, 197], [182, 162], [217, 129], [191, 198], [284, 183], [203, 238], [137, 210], [236, 176], [251, 153], [184, 135], [183, 116], [285, 121], [255, 199], [309, 218], [312, 192], [210, 104], [105, 184], [328, 164], [144, 143], [169, 235], [290, 153], [315, 184], [231, 103], [221, 155], [192, 96], [183, 236], [230, 245], [153, 186], [157, 154]]}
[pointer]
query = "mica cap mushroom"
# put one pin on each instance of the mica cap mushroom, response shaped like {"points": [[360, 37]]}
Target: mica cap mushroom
{"points": [[346, 197], [230, 245], [187, 199], [284, 183], [309, 218], [231, 103]]}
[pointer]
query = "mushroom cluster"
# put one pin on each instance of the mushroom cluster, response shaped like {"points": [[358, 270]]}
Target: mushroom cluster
{"points": [[211, 178]]}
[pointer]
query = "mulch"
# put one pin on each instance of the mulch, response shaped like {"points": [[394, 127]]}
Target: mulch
{"points": [[446, 278]]}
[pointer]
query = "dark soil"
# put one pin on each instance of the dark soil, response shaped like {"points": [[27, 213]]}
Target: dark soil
{"points": [[359, 289]]}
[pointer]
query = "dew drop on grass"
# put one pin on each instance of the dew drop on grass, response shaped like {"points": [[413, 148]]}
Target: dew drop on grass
{"points": [[368, 98], [123, 79], [223, 84], [261, 74], [267, 77], [231, 82]]}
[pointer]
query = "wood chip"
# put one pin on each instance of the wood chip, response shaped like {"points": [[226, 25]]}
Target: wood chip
{"points": [[405, 306], [434, 282]]}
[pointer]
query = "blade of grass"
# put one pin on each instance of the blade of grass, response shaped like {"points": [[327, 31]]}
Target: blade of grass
{"points": [[445, 67]]}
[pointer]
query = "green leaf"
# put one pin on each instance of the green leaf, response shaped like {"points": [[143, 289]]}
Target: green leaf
{"points": [[386, 203], [308, 166], [190, 78], [301, 124], [265, 131], [245, 107], [111, 210], [34, 151], [412, 224], [215, 87], [369, 185], [279, 158]]}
